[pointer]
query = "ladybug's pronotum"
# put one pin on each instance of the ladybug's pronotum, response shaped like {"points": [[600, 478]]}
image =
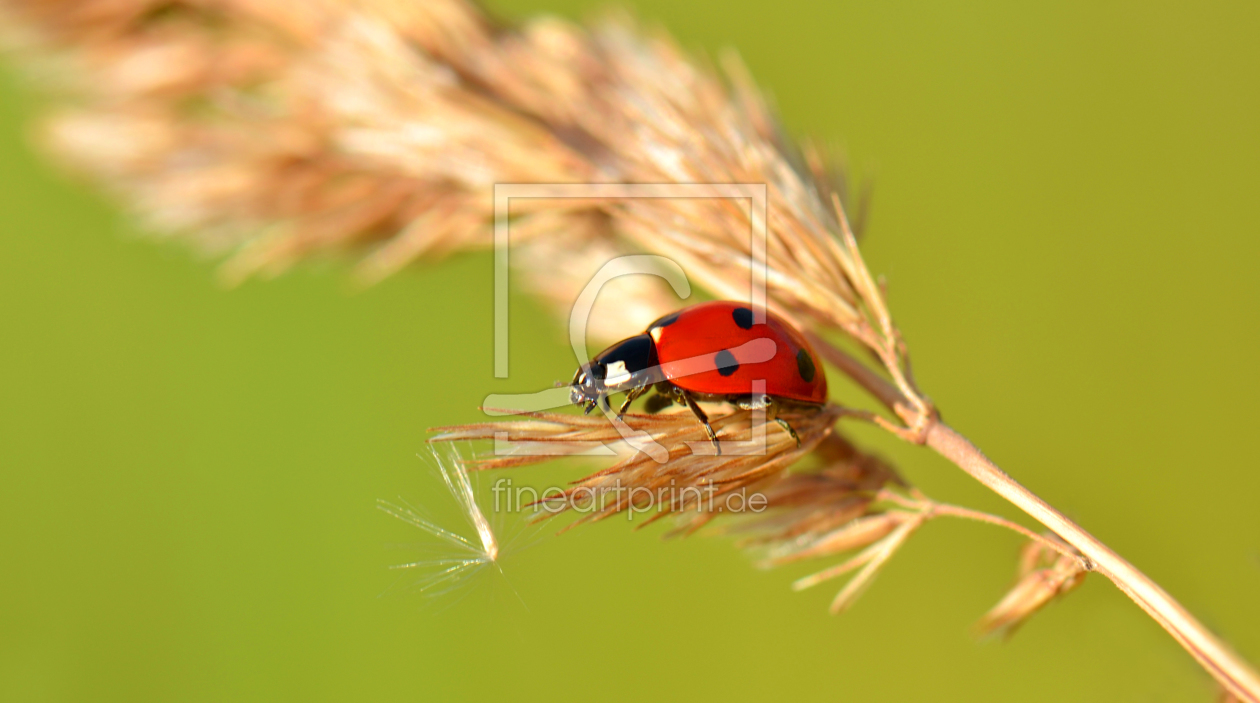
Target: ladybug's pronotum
{"points": [[709, 352]]}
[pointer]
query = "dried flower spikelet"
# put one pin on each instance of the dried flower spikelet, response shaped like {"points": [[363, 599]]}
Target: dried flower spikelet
{"points": [[462, 556], [804, 505], [329, 131], [637, 481], [657, 117], [839, 507], [1044, 574], [564, 253]]}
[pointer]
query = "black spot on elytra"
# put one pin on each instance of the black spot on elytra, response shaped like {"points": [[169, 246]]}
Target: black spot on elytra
{"points": [[743, 318], [664, 321], [805, 366], [726, 363]]}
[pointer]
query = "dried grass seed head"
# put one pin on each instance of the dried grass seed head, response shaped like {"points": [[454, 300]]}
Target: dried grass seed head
{"points": [[538, 437], [378, 125]]}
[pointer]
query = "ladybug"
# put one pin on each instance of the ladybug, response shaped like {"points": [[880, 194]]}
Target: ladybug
{"points": [[707, 352]]}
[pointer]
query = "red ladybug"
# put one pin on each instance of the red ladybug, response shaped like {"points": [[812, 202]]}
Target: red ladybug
{"points": [[707, 352]]}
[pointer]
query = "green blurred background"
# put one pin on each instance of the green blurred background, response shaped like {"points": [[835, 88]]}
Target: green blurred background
{"points": [[1066, 213]]}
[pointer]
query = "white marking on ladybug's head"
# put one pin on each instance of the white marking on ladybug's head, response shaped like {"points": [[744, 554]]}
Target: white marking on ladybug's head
{"points": [[616, 374]]}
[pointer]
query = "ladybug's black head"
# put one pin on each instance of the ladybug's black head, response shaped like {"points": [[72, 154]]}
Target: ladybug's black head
{"points": [[626, 365]]}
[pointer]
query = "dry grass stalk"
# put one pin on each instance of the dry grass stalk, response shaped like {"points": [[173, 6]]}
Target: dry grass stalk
{"points": [[276, 132]]}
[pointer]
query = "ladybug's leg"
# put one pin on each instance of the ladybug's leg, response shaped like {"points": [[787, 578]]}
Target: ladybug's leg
{"points": [[621, 412], [757, 402], [784, 424], [772, 412], [631, 395], [771, 406], [704, 419]]}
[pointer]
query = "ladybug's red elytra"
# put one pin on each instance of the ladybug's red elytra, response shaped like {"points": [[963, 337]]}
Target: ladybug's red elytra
{"points": [[707, 352]]}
